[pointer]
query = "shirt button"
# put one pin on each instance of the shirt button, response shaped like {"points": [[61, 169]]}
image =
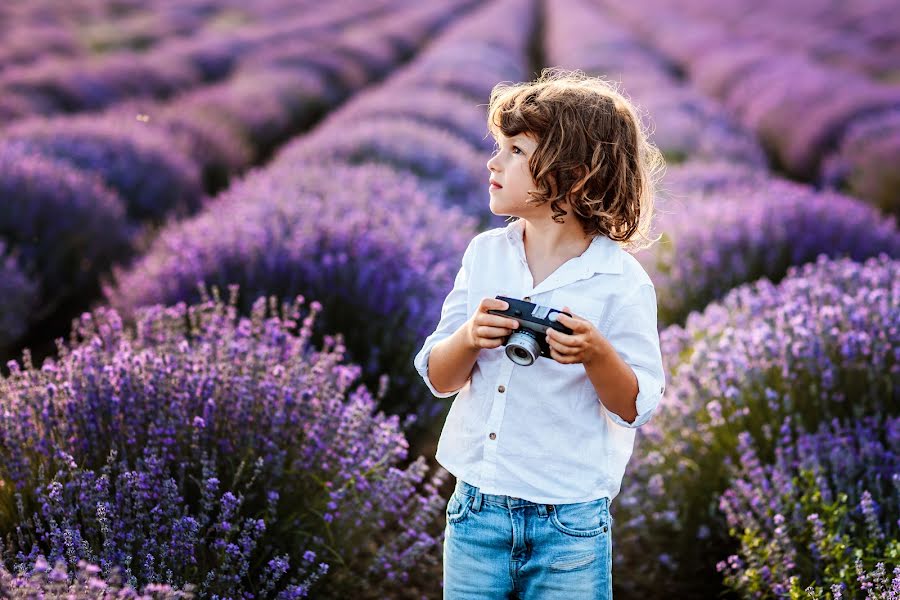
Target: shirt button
{"points": [[493, 436], [501, 389]]}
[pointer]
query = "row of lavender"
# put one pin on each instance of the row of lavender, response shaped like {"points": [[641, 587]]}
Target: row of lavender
{"points": [[774, 457], [297, 479], [819, 122], [860, 37], [395, 161], [81, 193], [74, 84], [816, 346], [37, 31], [356, 274]]}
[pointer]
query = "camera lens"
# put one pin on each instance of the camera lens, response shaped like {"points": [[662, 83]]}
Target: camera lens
{"points": [[523, 348]]}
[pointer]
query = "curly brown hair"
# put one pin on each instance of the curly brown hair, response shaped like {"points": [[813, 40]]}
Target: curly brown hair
{"points": [[593, 151]]}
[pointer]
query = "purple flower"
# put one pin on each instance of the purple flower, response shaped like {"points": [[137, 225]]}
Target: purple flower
{"points": [[818, 538], [18, 295], [372, 248], [865, 162], [720, 234], [139, 162], [115, 420], [763, 353]]}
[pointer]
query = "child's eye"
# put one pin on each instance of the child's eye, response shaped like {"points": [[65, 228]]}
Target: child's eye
{"points": [[516, 148]]}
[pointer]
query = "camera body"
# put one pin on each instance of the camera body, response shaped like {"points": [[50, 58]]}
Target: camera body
{"points": [[528, 342]]}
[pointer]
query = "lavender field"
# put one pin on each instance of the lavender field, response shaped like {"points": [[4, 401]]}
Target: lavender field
{"points": [[226, 228]]}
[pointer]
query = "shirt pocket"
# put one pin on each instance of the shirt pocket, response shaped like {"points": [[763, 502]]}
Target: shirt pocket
{"points": [[591, 309]]}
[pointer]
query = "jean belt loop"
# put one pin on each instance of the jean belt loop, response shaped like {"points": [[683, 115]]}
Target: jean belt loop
{"points": [[542, 509], [476, 504]]}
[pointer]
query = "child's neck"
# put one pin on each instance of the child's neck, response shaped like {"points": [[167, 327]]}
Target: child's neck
{"points": [[554, 241]]}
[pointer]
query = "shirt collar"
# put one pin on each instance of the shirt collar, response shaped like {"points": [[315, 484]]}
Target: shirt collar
{"points": [[602, 256]]}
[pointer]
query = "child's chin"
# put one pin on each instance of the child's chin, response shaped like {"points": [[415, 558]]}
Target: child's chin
{"points": [[498, 209]]}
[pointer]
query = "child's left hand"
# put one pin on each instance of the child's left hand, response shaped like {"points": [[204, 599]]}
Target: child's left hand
{"points": [[579, 347]]}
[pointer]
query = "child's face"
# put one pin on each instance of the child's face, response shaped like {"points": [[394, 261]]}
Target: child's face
{"points": [[509, 168]]}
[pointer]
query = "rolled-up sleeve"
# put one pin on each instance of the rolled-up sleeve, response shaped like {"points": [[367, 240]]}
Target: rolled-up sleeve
{"points": [[453, 315], [633, 332]]}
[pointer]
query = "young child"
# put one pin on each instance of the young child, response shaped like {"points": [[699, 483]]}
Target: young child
{"points": [[539, 451]]}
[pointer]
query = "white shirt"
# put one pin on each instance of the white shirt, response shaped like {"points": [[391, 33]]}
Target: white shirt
{"points": [[540, 432]]}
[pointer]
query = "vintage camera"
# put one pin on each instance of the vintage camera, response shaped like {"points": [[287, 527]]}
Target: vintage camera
{"points": [[528, 342]]}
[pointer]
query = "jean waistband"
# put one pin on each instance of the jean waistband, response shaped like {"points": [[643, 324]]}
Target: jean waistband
{"points": [[501, 499]]}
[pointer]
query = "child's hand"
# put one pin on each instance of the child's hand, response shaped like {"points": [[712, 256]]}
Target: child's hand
{"points": [[485, 330], [579, 347]]}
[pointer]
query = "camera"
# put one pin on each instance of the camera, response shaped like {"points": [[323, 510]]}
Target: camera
{"points": [[528, 342]]}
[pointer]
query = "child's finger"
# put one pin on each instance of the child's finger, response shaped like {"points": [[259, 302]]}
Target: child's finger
{"points": [[575, 323], [563, 339]]}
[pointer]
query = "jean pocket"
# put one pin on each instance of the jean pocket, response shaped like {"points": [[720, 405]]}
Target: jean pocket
{"points": [[581, 519], [458, 507]]}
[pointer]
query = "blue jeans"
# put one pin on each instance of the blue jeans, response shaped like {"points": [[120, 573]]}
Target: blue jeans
{"points": [[498, 546]]}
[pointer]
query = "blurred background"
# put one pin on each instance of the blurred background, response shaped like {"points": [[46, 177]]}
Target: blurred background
{"points": [[227, 227]]}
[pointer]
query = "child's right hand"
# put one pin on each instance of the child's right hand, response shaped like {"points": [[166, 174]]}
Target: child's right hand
{"points": [[485, 330]]}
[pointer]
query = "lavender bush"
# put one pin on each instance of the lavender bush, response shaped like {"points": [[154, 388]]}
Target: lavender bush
{"points": [[65, 225], [828, 506], [444, 109], [23, 44], [789, 102], [45, 582], [475, 53], [18, 293], [66, 84], [726, 235], [264, 107], [153, 177], [865, 164], [705, 178], [685, 124], [446, 165], [819, 345], [63, 86], [378, 253], [203, 447], [785, 96], [469, 67]]}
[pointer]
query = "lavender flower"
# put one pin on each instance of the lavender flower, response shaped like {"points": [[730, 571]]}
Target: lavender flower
{"points": [[723, 235], [782, 89], [45, 582], [430, 153], [201, 443], [65, 226], [366, 241], [440, 108], [18, 294], [685, 123], [153, 178], [819, 345], [822, 537], [865, 163], [70, 85]]}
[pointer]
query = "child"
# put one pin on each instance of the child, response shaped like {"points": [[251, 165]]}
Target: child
{"points": [[539, 451]]}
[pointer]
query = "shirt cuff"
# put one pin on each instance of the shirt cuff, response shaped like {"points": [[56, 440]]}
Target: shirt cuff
{"points": [[650, 391], [421, 364]]}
